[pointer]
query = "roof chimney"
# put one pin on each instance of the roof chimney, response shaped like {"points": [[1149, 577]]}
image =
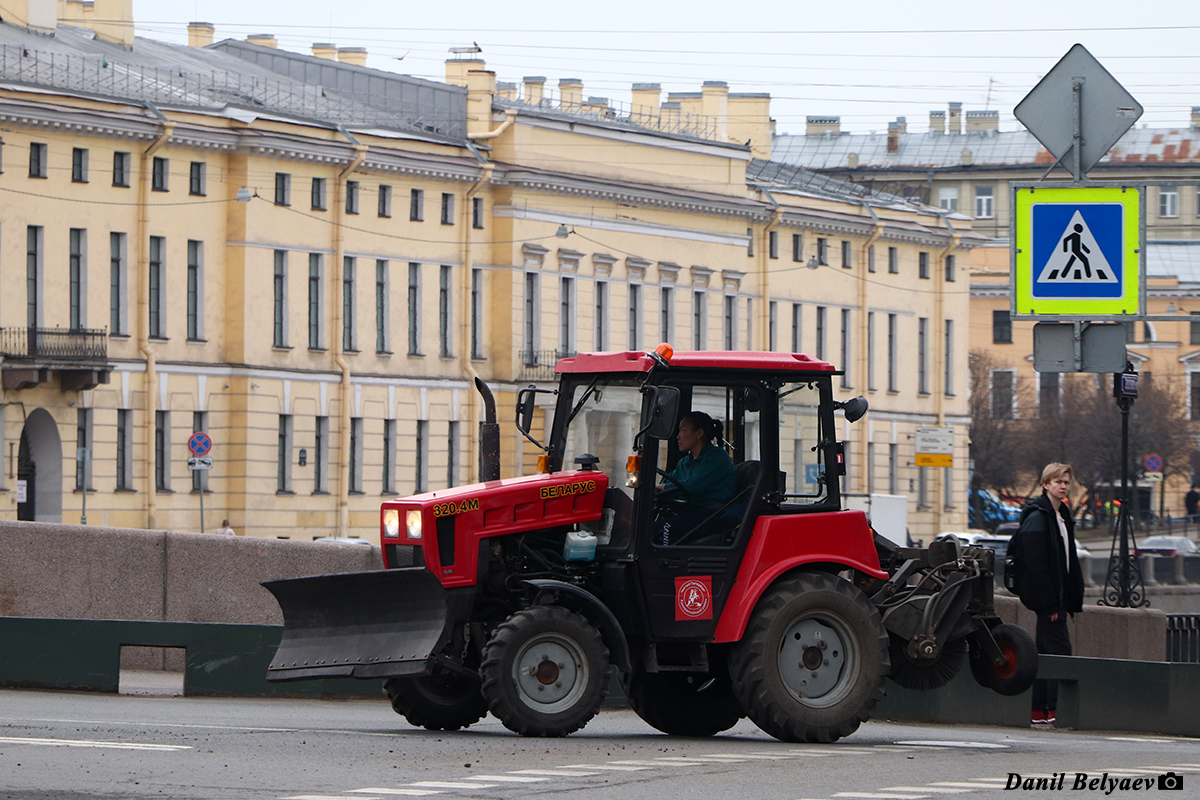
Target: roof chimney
{"points": [[535, 89], [355, 56], [506, 90], [893, 137], [73, 12], [902, 124], [200, 34], [112, 20], [955, 118], [263, 40], [40, 16], [817, 126], [714, 104], [937, 121], [325, 50], [458, 68], [646, 97], [1196, 116], [750, 120], [978, 121], [570, 92]]}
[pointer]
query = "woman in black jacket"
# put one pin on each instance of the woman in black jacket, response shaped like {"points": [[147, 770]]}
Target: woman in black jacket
{"points": [[1050, 582]]}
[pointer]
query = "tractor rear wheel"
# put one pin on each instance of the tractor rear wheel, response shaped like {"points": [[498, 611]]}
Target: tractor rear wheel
{"points": [[1020, 657], [545, 671], [925, 674], [811, 664], [439, 702], [683, 704]]}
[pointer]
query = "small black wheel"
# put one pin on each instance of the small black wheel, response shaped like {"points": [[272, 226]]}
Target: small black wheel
{"points": [[683, 704], [1020, 661], [925, 674], [811, 664], [443, 701], [545, 671]]}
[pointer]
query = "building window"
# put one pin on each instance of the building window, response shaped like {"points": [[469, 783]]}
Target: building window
{"points": [[389, 456], [421, 456], [1001, 327], [749, 241], [452, 453], [870, 467], [846, 255], [870, 351], [158, 322], [445, 350], [121, 169], [948, 198], [118, 314], [566, 317], [477, 313], [948, 488], [477, 213], [414, 309], [195, 290], [892, 345], [321, 456], [871, 258], [773, 326], [349, 304], [730, 322], [1194, 327], [283, 459], [1002, 393], [385, 200], [893, 468], [948, 378], [83, 438], [77, 278], [382, 336], [797, 247], [951, 275], [773, 244], [1168, 201], [162, 438], [124, 449], [821, 313], [416, 205], [159, 173], [315, 300], [893, 261], [283, 189], [749, 324], [822, 251], [845, 354], [356, 455], [279, 306], [447, 208], [318, 194], [33, 276], [199, 476], [666, 313], [1049, 394], [923, 265], [352, 197], [79, 165], [922, 488], [797, 320], [1194, 386], [601, 315], [37, 160], [198, 179], [699, 320], [923, 355], [985, 205]]}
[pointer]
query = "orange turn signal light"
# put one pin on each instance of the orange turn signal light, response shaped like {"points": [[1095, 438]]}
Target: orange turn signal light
{"points": [[633, 464], [543, 463]]}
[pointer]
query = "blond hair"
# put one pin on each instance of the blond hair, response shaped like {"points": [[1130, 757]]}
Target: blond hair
{"points": [[1055, 470]]}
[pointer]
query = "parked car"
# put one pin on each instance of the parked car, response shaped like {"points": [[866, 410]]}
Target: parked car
{"points": [[992, 510], [1167, 546]]}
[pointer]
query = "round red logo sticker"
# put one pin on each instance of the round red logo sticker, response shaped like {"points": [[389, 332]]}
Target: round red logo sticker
{"points": [[693, 598]]}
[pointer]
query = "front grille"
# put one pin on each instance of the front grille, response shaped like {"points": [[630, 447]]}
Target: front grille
{"points": [[404, 555]]}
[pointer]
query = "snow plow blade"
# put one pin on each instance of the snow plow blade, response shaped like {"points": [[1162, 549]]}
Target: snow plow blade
{"points": [[378, 624]]}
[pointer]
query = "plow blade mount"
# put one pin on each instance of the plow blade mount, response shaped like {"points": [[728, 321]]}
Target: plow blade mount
{"points": [[378, 624]]}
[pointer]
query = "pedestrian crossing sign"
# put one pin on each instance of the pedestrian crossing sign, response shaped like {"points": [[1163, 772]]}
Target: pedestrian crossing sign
{"points": [[1077, 250]]}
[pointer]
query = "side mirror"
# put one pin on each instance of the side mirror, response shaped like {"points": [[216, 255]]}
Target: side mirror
{"points": [[664, 409], [525, 400], [854, 409]]}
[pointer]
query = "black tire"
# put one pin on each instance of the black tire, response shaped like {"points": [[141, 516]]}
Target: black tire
{"points": [[545, 672], [1021, 662], [440, 702], [831, 689], [683, 704], [924, 674]]}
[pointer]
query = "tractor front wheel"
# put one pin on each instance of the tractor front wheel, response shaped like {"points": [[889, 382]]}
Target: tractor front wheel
{"points": [[545, 671], [683, 704], [439, 702], [811, 664]]}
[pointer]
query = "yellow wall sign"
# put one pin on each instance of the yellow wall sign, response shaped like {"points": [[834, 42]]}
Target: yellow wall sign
{"points": [[934, 460], [1077, 250]]}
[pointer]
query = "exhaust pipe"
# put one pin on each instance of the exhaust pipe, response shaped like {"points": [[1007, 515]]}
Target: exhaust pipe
{"points": [[489, 436]]}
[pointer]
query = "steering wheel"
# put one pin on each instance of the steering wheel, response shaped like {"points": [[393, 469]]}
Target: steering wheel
{"points": [[687, 496]]}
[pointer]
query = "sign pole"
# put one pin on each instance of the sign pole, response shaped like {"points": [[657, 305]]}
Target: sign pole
{"points": [[202, 482], [1077, 134]]}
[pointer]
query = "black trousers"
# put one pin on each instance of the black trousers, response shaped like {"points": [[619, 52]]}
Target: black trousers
{"points": [[1052, 638]]}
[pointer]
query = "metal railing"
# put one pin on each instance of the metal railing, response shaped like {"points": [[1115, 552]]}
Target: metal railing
{"points": [[53, 344], [1183, 638], [664, 120], [538, 365]]}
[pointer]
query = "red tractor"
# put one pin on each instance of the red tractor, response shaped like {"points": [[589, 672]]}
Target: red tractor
{"points": [[517, 596]]}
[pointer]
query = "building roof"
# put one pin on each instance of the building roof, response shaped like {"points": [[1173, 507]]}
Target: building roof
{"points": [[778, 173], [932, 150], [1174, 259]]}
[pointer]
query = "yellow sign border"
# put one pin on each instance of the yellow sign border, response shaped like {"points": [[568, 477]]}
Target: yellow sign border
{"points": [[1025, 197]]}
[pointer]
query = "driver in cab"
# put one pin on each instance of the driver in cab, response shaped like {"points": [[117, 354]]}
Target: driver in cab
{"points": [[704, 475]]}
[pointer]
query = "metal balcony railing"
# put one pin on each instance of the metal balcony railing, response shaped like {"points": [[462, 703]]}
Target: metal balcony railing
{"points": [[53, 344], [538, 365]]}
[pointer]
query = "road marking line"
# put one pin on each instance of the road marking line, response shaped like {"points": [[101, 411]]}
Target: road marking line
{"points": [[964, 784], [449, 785], [748, 756], [881, 795], [89, 743], [937, 790], [644, 763], [554, 773], [609, 767], [507, 778], [964, 745], [404, 792], [328, 797]]}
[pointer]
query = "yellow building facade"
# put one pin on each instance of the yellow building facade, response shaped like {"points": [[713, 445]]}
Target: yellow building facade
{"points": [[316, 286]]}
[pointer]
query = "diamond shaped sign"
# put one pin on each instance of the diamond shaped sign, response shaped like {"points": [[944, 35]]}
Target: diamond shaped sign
{"points": [[1107, 110]]}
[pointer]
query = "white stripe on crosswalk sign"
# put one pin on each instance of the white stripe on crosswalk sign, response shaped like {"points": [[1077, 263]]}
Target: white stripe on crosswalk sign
{"points": [[1077, 258]]}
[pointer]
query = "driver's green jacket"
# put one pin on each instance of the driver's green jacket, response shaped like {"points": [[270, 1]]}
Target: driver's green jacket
{"points": [[709, 479]]}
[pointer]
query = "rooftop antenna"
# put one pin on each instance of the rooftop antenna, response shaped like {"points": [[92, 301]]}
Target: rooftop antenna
{"points": [[987, 103], [466, 50]]}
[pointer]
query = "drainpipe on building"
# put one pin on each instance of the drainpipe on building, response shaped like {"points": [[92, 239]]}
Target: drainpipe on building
{"points": [[939, 349], [339, 354], [465, 312], [864, 433], [143, 304], [510, 116]]}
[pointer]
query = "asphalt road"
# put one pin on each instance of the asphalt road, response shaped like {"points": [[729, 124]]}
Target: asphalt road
{"points": [[67, 746]]}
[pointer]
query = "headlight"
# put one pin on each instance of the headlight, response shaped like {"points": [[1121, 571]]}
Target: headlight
{"points": [[391, 523], [413, 521]]}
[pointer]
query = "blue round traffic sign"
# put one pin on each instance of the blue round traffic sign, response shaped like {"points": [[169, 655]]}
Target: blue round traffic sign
{"points": [[199, 444], [1153, 463]]}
